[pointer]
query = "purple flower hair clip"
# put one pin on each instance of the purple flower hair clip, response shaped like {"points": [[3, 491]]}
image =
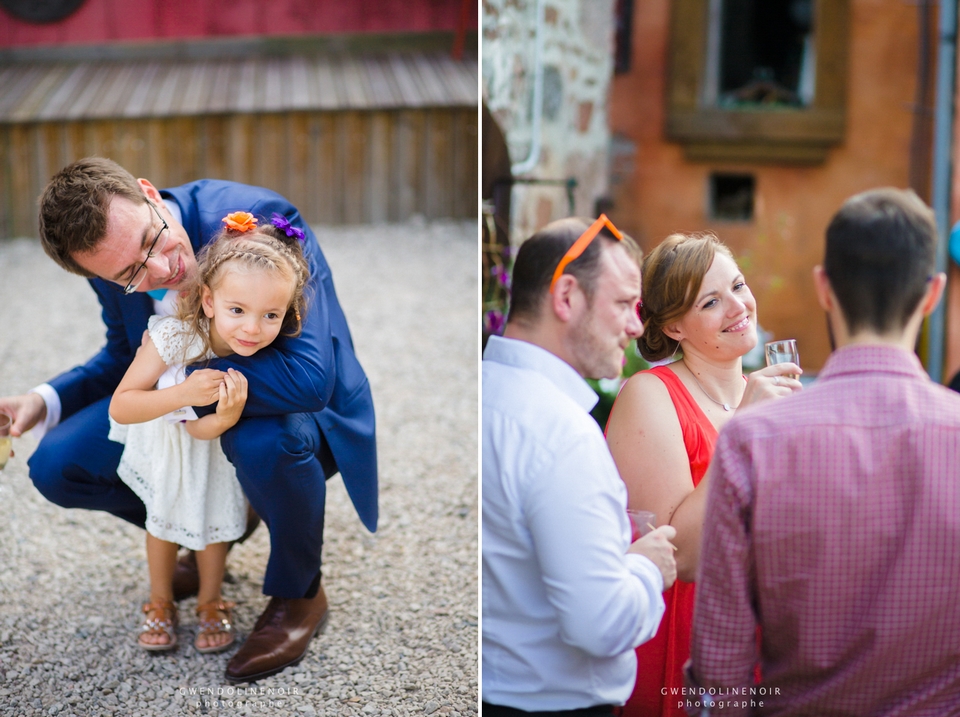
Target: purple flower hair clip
{"points": [[281, 223]]}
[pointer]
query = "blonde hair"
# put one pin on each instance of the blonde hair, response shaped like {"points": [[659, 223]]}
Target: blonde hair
{"points": [[266, 248], [671, 276]]}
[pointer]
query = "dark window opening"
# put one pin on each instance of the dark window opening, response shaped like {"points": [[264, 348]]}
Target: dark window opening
{"points": [[766, 53], [731, 197], [623, 37]]}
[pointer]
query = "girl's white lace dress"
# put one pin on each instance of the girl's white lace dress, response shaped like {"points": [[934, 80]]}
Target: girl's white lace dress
{"points": [[188, 486]]}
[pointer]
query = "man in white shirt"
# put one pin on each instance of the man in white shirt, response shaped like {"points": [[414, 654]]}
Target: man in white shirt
{"points": [[566, 596]]}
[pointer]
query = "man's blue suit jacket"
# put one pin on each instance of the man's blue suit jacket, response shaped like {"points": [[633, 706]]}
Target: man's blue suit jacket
{"points": [[316, 372]]}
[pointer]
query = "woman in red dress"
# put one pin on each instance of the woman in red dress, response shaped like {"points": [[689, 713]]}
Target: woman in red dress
{"points": [[664, 424]]}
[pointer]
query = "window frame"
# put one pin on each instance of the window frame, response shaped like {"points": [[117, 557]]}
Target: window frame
{"points": [[797, 135]]}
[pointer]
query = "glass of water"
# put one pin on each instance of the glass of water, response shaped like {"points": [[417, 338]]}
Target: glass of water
{"points": [[6, 440], [784, 351]]}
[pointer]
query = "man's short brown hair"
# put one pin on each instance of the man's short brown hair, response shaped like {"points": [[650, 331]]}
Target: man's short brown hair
{"points": [[74, 206], [540, 254]]}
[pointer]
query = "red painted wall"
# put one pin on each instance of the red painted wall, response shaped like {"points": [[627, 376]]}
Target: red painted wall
{"points": [[104, 21], [663, 192]]}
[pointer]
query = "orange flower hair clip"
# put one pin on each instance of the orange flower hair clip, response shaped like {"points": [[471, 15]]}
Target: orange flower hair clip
{"points": [[240, 221]]}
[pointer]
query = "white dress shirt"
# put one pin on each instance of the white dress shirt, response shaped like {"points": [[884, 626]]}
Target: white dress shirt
{"points": [[563, 603], [162, 306]]}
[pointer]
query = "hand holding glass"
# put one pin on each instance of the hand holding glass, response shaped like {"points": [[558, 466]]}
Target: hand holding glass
{"points": [[643, 521], [6, 441], [783, 352]]}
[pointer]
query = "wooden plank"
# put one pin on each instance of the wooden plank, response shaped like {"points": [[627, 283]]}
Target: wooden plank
{"points": [[408, 141], [466, 162], [327, 190], [439, 165], [296, 129], [239, 147], [6, 190], [20, 185], [132, 146], [377, 170], [352, 152], [156, 153], [213, 145], [270, 154]]}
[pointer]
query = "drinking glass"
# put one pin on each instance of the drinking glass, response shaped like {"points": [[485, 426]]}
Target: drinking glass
{"points": [[6, 441], [642, 520], [784, 351]]}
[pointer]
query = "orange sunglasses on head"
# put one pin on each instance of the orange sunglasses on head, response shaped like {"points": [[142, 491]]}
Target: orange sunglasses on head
{"points": [[581, 244]]}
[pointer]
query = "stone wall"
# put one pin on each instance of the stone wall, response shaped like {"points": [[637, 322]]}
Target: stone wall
{"points": [[577, 57]]}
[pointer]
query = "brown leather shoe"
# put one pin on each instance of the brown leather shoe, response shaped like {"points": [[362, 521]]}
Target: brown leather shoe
{"points": [[186, 578], [280, 638]]}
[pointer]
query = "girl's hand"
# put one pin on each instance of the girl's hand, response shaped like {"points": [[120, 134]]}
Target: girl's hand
{"points": [[772, 382], [233, 397], [202, 387]]}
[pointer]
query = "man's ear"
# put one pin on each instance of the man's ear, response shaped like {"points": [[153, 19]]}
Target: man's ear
{"points": [[206, 301], [150, 191], [566, 297], [935, 289], [821, 285]]}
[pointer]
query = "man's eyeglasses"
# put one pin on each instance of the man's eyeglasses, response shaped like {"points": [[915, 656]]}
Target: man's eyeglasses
{"points": [[141, 273], [581, 244]]}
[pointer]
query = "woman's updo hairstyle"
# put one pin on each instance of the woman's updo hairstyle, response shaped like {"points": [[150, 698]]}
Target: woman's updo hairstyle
{"points": [[671, 278]]}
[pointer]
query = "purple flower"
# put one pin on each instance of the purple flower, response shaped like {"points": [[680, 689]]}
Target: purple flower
{"points": [[495, 322], [281, 223]]}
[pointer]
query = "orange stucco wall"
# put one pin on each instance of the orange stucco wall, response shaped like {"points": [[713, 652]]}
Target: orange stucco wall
{"points": [[660, 192]]}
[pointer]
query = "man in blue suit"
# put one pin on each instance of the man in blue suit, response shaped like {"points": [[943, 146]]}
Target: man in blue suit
{"points": [[309, 412]]}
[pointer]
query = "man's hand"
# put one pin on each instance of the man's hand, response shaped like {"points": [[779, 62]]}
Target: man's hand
{"points": [[233, 397], [202, 387], [27, 411], [656, 545]]}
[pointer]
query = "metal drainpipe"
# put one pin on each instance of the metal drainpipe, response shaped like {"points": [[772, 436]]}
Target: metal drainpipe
{"points": [[531, 161], [942, 151]]}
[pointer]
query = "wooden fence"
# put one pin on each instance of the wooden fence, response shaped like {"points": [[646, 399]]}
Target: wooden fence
{"points": [[382, 147]]}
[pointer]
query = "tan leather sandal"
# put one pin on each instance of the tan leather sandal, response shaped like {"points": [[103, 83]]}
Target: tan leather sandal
{"points": [[161, 619], [215, 618]]}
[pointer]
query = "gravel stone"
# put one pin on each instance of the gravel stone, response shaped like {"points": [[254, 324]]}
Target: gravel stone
{"points": [[402, 635]]}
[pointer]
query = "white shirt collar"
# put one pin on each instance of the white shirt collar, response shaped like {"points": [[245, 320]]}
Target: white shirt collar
{"points": [[522, 354]]}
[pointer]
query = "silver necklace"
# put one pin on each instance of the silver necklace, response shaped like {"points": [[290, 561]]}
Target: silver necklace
{"points": [[726, 406]]}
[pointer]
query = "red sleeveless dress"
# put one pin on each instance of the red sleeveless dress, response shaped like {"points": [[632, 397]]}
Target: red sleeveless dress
{"points": [[660, 661]]}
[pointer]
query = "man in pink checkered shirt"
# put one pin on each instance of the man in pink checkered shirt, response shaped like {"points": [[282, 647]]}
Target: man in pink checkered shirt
{"points": [[833, 518]]}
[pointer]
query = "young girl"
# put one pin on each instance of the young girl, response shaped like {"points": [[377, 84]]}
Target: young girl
{"points": [[249, 290]]}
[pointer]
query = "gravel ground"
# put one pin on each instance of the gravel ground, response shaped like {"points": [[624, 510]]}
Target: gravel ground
{"points": [[402, 634]]}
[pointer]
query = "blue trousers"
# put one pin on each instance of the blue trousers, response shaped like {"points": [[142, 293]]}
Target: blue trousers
{"points": [[282, 463]]}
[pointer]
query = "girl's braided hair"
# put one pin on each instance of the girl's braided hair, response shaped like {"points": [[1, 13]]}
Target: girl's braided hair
{"points": [[264, 247]]}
